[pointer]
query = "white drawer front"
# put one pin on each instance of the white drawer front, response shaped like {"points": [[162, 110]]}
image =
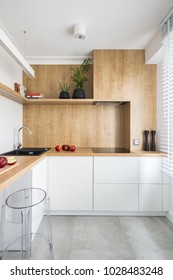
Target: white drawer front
{"points": [[150, 197], [150, 170], [122, 170], [116, 197]]}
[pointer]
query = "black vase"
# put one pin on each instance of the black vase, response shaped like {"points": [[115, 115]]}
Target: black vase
{"points": [[78, 93], [146, 144], [64, 95]]}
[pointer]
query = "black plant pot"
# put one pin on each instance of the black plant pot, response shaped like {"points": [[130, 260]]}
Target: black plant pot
{"points": [[64, 95], [78, 93]]}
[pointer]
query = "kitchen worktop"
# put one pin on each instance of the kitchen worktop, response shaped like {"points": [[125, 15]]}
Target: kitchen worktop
{"points": [[27, 162], [87, 151]]}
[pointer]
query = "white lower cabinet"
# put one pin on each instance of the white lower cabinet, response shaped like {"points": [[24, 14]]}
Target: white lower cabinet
{"points": [[116, 183], [100, 183], [11, 229], [39, 175], [116, 197], [38, 180], [153, 185], [110, 169], [71, 183], [150, 197], [150, 170], [130, 184]]}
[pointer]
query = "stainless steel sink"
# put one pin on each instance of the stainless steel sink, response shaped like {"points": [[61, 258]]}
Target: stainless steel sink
{"points": [[27, 152]]}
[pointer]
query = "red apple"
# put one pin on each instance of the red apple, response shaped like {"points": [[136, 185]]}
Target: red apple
{"points": [[11, 160], [3, 162], [72, 148], [58, 148], [66, 147]]}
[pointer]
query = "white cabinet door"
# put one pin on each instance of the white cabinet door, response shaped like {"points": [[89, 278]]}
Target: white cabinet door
{"points": [[165, 197], [122, 170], [150, 170], [150, 197], [116, 183], [12, 230], [70, 183], [116, 197], [38, 180], [151, 185], [39, 175]]}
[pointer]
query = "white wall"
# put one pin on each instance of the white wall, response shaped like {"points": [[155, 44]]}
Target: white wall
{"points": [[11, 113]]}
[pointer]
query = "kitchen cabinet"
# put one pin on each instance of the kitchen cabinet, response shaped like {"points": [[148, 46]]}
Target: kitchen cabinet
{"points": [[39, 175], [35, 177], [116, 197], [122, 75], [166, 189], [12, 230], [119, 169], [70, 183], [150, 197], [116, 183], [93, 184], [130, 184], [150, 170], [38, 180], [153, 185]]}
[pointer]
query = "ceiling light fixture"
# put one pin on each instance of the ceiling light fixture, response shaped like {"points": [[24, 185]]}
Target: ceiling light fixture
{"points": [[79, 31]]}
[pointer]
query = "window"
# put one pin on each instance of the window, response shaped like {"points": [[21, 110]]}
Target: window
{"points": [[167, 96]]}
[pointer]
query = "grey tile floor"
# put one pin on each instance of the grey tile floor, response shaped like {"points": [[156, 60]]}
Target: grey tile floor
{"points": [[105, 238], [112, 238]]}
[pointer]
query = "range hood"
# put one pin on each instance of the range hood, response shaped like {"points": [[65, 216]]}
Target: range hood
{"points": [[116, 103]]}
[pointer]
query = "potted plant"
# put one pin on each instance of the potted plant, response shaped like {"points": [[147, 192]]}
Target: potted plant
{"points": [[79, 78], [64, 94]]}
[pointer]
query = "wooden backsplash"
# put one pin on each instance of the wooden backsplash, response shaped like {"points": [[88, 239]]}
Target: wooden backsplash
{"points": [[48, 77], [81, 125], [117, 75]]}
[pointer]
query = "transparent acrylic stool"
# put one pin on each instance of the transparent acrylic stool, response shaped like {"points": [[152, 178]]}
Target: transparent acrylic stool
{"points": [[26, 208]]}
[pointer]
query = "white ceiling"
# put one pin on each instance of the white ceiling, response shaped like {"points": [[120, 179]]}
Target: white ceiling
{"points": [[110, 24]]}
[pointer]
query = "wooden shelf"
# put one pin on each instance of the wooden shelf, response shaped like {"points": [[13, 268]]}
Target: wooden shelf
{"points": [[11, 94], [56, 101]]}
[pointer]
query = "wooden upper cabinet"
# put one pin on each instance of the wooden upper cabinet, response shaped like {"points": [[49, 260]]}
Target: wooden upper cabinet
{"points": [[121, 74]]}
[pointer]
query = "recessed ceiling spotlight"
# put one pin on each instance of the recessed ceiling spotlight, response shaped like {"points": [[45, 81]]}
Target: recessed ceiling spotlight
{"points": [[79, 31]]}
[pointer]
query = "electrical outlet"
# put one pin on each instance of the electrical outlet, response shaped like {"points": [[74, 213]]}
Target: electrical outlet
{"points": [[135, 142]]}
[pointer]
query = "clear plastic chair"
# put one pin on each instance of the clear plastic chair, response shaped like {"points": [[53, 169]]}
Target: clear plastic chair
{"points": [[27, 208]]}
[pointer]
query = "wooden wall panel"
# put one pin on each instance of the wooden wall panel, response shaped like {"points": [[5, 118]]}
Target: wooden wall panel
{"points": [[84, 126], [117, 75], [123, 75], [47, 78]]}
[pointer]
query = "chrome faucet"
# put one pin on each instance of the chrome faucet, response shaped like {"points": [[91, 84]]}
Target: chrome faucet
{"points": [[19, 145]]}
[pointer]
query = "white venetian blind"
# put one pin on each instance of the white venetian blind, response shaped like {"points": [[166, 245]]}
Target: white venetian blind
{"points": [[167, 96]]}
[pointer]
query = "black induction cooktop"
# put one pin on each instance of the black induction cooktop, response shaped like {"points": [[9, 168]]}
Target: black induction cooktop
{"points": [[109, 150]]}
